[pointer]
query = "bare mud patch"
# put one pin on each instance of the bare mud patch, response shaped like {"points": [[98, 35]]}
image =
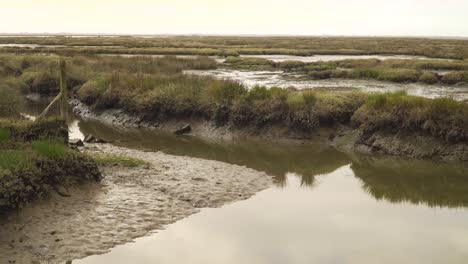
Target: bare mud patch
{"points": [[129, 203]]}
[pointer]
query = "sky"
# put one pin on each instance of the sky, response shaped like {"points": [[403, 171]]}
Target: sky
{"points": [[259, 17]]}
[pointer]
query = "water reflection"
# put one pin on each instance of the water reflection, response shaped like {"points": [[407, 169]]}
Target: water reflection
{"points": [[334, 222], [274, 158], [396, 180], [392, 179]]}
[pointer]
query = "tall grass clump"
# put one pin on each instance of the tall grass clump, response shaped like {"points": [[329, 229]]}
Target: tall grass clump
{"points": [[455, 77], [49, 148], [11, 101], [119, 160], [428, 78], [5, 134], [11, 159], [399, 75], [442, 118]]}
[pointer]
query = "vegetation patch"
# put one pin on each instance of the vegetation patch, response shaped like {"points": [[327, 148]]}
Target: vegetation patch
{"points": [[441, 118], [34, 160], [19, 130], [49, 149], [119, 160], [233, 46], [391, 70]]}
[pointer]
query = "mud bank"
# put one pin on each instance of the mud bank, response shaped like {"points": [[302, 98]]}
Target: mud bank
{"points": [[129, 203], [342, 137]]}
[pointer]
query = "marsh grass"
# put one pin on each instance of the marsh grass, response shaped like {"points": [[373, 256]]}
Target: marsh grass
{"points": [[119, 160], [442, 118], [11, 159], [11, 101], [50, 149], [40, 73], [233, 46], [5, 135], [391, 70]]}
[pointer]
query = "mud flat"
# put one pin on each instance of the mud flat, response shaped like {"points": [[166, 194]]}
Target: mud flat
{"points": [[129, 203]]}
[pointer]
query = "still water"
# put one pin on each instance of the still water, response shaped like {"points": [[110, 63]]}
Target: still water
{"points": [[335, 220], [326, 206]]}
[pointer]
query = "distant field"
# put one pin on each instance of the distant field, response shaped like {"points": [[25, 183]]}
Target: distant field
{"points": [[233, 46]]}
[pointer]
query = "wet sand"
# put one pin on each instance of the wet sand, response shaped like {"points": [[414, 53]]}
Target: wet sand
{"points": [[129, 203]]}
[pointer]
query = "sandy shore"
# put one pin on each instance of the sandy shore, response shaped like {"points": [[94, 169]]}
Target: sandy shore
{"points": [[129, 203]]}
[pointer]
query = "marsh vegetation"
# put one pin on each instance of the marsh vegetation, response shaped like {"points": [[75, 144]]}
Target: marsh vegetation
{"points": [[234, 46], [390, 70]]}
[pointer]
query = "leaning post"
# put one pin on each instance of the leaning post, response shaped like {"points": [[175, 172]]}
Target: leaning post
{"points": [[64, 91], [61, 98]]}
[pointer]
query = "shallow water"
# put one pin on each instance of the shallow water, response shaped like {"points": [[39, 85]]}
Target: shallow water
{"points": [[280, 58], [333, 221], [285, 80], [317, 58], [326, 206]]}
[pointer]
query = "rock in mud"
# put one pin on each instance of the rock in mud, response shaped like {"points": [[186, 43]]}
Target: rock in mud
{"points": [[62, 191], [76, 142], [183, 130], [92, 139], [89, 138]]}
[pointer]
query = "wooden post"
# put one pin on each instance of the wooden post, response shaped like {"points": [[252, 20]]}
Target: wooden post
{"points": [[61, 98], [63, 90]]}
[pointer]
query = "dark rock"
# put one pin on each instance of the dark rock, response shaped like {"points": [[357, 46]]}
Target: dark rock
{"points": [[89, 138], [183, 130], [100, 141], [76, 142], [199, 179], [92, 139], [60, 190]]}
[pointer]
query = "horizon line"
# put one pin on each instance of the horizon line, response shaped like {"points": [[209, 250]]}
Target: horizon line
{"points": [[72, 34]]}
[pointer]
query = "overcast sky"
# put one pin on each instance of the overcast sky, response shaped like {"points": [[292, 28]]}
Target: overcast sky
{"points": [[294, 17]]}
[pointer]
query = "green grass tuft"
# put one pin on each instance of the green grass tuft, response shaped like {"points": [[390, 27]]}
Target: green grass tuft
{"points": [[5, 134], [119, 160], [11, 159], [49, 149]]}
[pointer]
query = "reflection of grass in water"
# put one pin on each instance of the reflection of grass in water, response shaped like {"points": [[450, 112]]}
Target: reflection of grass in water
{"points": [[418, 182], [276, 159]]}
